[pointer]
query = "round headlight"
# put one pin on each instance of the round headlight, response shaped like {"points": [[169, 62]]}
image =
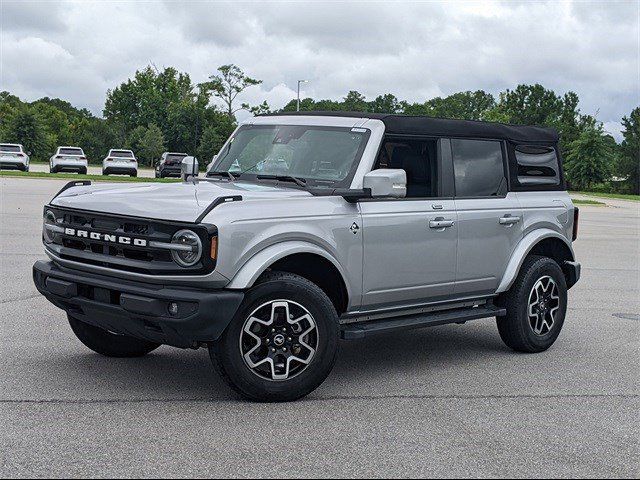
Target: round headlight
{"points": [[192, 251], [48, 232]]}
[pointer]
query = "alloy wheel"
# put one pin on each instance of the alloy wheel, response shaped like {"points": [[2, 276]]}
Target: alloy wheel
{"points": [[543, 305], [278, 340]]}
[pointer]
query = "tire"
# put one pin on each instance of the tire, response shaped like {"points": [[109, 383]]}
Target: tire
{"points": [[134, 174], [104, 172], [535, 333], [258, 384], [83, 171], [26, 169], [109, 344]]}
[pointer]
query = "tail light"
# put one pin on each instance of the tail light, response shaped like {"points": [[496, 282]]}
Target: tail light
{"points": [[109, 159], [576, 215], [58, 157], [20, 154], [83, 158], [133, 160]]}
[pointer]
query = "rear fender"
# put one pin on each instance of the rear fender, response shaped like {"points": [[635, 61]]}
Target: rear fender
{"points": [[521, 252]]}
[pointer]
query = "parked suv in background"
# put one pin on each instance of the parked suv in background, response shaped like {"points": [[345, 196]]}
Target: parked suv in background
{"points": [[121, 162], [12, 155], [68, 159], [315, 227], [169, 165]]}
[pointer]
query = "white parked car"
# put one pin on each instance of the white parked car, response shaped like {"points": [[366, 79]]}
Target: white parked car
{"points": [[12, 155], [68, 159], [120, 161]]}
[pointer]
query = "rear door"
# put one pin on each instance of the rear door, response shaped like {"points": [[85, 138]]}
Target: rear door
{"points": [[490, 218]]}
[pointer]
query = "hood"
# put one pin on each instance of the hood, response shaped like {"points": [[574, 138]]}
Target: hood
{"points": [[181, 202]]}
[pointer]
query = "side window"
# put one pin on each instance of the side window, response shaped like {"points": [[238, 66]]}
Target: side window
{"points": [[478, 168], [418, 158], [537, 165]]}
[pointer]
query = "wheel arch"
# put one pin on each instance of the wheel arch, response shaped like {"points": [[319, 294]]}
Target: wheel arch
{"points": [[304, 259], [545, 242]]}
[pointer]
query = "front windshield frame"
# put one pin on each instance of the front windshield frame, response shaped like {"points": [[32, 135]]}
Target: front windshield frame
{"points": [[253, 176]]}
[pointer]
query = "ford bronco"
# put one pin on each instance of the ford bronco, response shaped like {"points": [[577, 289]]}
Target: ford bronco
{"points": [[313, 227]]}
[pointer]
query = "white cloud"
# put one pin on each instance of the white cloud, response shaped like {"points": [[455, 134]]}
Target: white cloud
{"points": [[414, 50]]}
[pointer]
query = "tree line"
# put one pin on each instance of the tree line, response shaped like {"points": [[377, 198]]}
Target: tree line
{"points": [[164, 110]]}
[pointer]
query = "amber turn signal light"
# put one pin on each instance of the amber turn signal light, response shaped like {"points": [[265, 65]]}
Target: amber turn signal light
{"points": [[214, 248]]}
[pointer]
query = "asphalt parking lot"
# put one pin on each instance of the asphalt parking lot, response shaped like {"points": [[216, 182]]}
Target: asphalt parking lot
{"points": [[447, 401]]}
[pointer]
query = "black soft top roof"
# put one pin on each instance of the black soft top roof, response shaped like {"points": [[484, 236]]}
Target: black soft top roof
{"points": [[446, 127]]}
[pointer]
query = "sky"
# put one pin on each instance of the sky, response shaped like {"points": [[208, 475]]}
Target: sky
{"points": [[415, 50]]}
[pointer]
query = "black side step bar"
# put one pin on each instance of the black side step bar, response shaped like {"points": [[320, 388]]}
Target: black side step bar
{"points": [[355, 331]]}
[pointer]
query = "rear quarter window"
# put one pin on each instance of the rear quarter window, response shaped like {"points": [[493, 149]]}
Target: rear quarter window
{"points": [[537, 165]]}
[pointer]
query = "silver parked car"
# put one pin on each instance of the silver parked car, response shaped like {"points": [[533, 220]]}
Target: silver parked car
{"points": [[13, 156], [68, 159], [314, 227]]}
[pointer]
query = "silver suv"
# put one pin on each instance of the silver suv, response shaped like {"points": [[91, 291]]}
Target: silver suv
{"points": [[314, 227]]}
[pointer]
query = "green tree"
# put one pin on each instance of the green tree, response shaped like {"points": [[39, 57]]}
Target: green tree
{"points": [[589, 159], [462, 105], [228, 84], [147, 98], [210, 144], [629, 161], [27, 128], [354, 102], [95, 136], [152, 145], [387, 103]]}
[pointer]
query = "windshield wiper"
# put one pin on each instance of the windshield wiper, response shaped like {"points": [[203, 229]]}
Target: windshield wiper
{"points": [[222, 173], [301, 182]]}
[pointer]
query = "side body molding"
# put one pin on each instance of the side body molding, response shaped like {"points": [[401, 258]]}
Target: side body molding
{"points": [[521, 251], [256, 265]]}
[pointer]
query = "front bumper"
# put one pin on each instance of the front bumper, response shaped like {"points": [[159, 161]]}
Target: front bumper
{"points": [[137, 309]]}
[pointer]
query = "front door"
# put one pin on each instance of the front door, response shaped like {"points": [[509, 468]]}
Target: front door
{"points": [[409, 245], [409, 251]]}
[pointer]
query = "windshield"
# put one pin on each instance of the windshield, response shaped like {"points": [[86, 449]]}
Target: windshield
{"points": [[175, 156], [10, 148], [71, 151], [322, 155], [121, 153]]}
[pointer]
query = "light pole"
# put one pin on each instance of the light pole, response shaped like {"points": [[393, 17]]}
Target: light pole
{"points": [[298, 102]]}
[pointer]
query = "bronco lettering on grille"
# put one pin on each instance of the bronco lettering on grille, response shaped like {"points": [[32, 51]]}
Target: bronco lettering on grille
{"points": [[106, 237]]}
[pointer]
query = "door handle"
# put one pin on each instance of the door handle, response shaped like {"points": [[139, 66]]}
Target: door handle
{"points": [[440, 223], [508, 220]]}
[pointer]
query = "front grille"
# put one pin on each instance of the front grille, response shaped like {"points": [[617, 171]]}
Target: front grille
{"points": [[104, 252]]}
